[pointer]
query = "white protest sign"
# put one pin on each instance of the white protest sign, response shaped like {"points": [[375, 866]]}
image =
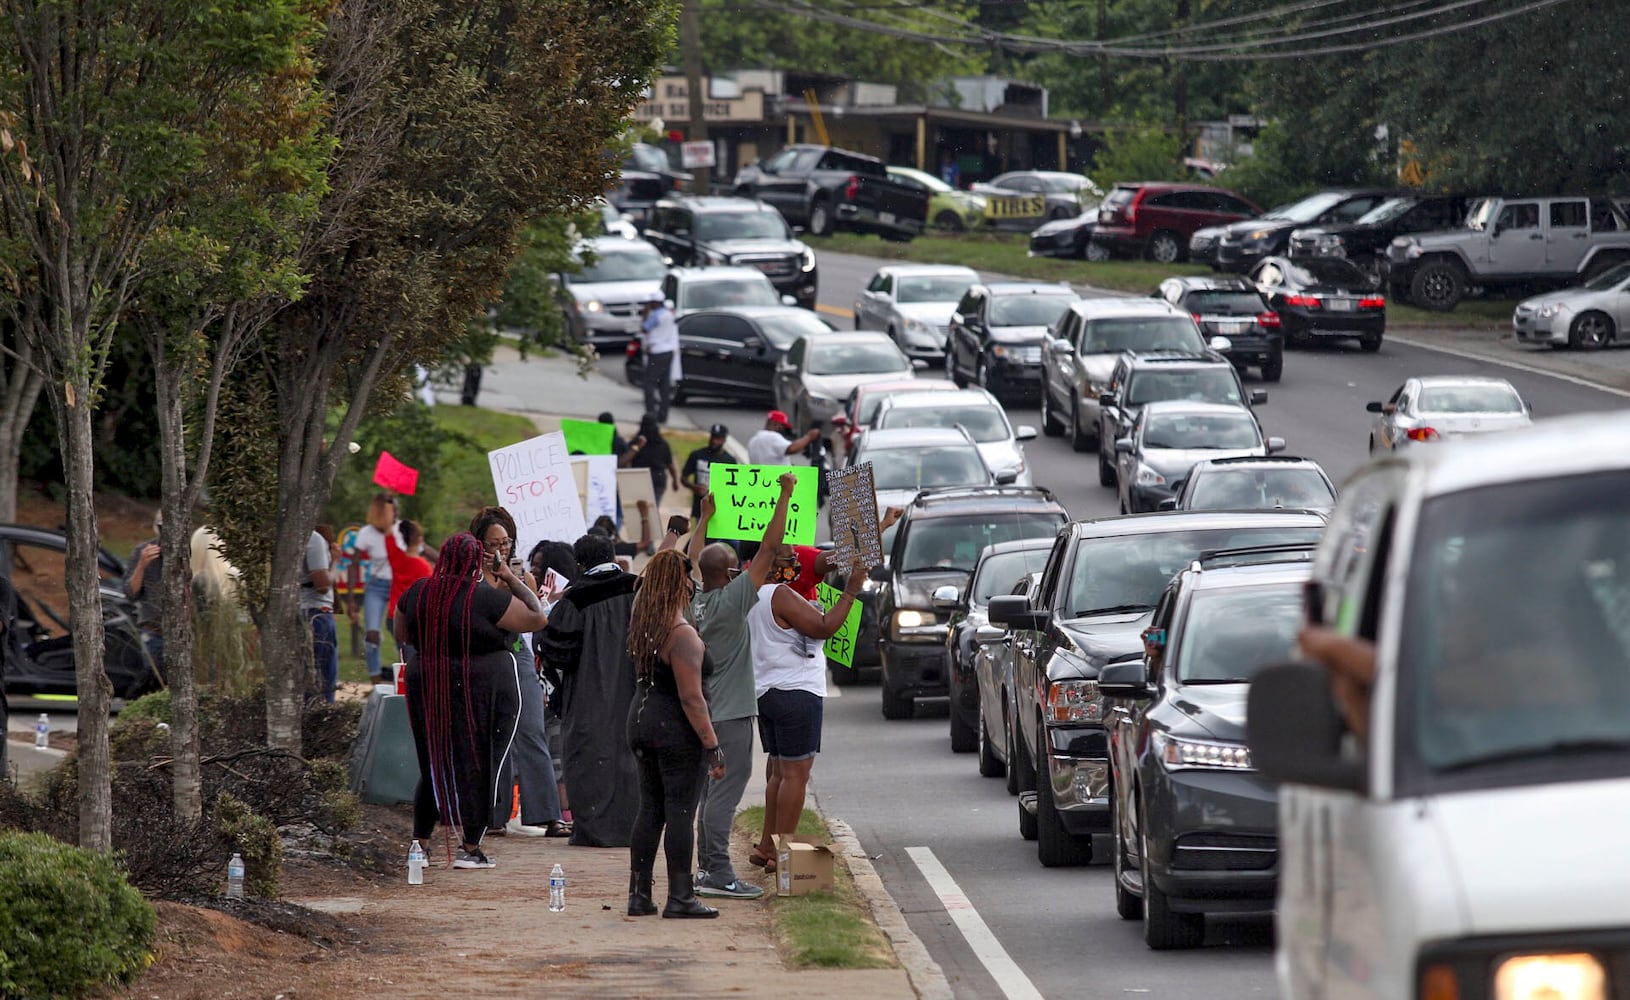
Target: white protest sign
{"points": [[596, 479], [634, 485], [696, 154], [851, 507], [534, 483]]}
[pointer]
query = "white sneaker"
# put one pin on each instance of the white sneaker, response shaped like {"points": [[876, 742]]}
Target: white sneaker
{"points": [[472, 859], [518, 828]]}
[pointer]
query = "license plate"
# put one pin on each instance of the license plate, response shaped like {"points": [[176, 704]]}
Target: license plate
{"points": [[1339, 305], [1230, 327], [885, 217]]}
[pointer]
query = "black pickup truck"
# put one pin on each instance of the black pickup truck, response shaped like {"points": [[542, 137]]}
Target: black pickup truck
{"points": [[823, 189]]}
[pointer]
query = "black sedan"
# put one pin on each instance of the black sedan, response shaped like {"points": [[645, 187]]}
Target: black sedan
{"points": [[1322, 298], [999, 331], [732, 353], [1068, 237]]}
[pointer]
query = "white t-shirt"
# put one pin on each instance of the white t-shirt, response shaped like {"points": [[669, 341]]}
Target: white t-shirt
{"points": [[661, 331], [767, 447], [311, 598], [371, 543], [783, 658]]}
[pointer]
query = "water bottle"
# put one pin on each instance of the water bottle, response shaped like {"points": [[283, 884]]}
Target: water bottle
{"points": [[557, 889], [416, 861], [42, 731], [234, 877]]}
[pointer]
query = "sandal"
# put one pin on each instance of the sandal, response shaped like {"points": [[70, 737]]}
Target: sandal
{"points": [[558, 828], [758, 860]]}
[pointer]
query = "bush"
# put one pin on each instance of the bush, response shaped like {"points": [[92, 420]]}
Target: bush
{"points": [[69, 922], [154, 705], [254, 837]]}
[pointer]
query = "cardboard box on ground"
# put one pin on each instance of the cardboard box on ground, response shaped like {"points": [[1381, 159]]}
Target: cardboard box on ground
{"points": [[803, 865]]}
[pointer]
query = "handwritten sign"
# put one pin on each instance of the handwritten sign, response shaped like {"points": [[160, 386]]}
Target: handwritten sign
{"points": [[851, 509], [634, 485], [840, 648], [534, 483], [587, 437], [596, 479], [746, 496]]}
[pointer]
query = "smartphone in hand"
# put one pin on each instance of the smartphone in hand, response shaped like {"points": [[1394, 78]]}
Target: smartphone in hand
{"points": [[1313, 602]]}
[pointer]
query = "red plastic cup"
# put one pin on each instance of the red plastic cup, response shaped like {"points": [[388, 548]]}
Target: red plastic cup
{"points": [[400, 672]]}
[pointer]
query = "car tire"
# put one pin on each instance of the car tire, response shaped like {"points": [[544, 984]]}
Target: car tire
{"points": [[1165, 247], [1012, 758], [1106, 469], [820, 217], [964, 737], [1049, 420], [896, 705], [1164, 930], [949, 222], [1438, 285], [1056, 847], [1128, 904], [1078, 440], [1095, 252], [1274, 367], [989, 765], [1370, 344], [1027, 821], [1590, 331]]}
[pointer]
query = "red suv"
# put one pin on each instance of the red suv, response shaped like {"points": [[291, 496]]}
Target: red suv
{"points": [[1156, 218]]}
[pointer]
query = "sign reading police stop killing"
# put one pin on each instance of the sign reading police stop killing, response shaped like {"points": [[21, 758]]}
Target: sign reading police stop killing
{"points": [[534, 483], [745, 497]]}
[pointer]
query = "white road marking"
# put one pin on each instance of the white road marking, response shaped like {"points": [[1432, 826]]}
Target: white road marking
{"points": [[1519, 365], [1012, 981]]}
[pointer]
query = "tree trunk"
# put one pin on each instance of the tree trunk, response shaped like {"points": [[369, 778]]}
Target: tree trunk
{"points": [[15, 411], [85, 617], [690, 37], [175, 539]]}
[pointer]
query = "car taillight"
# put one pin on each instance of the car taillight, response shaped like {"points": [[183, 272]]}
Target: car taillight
{"points": [[1421, 434], [1197, 318], [1269, 320], [678, 183], [633, 348], [1131, 211], [852, 188], [1306, 301], [1372, 302]]}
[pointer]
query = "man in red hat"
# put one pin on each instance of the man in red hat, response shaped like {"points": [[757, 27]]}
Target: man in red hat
{"points": [[774, 443]]}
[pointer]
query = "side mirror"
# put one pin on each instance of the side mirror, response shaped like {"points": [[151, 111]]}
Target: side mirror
{"points": [[1124, 446], [1169, 503], [1276, 445], [984, 635], [1106, 399], [753, 344], [798, 230], [679, 233], [789, 300], [1374, 407], [1294, 730], [1221, 345], [1014, 611], [1126, 679], [918, 364], [947, 598], [1007, 477], [878, 574], [840, 421], [1024, 433], [1059, 346], [1259, 396]]}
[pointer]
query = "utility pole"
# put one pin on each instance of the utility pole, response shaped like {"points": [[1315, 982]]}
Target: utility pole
{"points": [[1108, 99], [690, 39], [1181, 93]]}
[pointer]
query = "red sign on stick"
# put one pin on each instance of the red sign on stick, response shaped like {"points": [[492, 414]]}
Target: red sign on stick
{"points": [[395, 476]]}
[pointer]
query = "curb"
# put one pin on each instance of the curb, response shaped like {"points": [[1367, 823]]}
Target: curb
{"points": [[927, 978]]}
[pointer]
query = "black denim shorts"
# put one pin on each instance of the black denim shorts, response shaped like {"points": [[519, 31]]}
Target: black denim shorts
{"points": [[789, 723]]}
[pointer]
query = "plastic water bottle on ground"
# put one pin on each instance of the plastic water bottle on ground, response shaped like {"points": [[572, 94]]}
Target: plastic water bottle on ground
{"points": [[234, 877], [42, 731], [557, 889], [416, 860]]}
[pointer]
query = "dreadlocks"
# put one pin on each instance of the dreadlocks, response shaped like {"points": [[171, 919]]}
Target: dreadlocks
{"points": [[664, 590], [457, 573]]}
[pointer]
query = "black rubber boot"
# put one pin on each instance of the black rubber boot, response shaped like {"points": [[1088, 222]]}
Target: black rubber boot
{"points": [[639, 895], [682, 901]]}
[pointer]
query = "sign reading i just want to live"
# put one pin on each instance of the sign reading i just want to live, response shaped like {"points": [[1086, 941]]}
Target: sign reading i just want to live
{"points": [[745, 498]]}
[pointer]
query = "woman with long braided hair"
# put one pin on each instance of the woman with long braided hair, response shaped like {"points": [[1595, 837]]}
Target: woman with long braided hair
{"points": [[670, 733], [463, 688]]}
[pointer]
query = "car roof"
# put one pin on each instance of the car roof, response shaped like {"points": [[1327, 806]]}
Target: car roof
{"points": [[1192, 520], [1014, 545], [1164, 406], [1028, 288], [615, 244], [716, 203], [852, 336], [1170, 186], [1174, 359], [1206, 283], [928, 384], [722, 273], [1114, 306], [1247, 461], [1553, 448], [1229, 575], [921, 270], [913, 437], [997, 499], [751, 312], [1439, 381], [950, 397]]}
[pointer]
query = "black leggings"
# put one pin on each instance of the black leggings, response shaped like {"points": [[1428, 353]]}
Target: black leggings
{"points": [[671, 769]]}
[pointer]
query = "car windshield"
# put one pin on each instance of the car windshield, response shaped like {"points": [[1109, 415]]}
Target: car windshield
{"points": [[1121, 571], [1326, 271], [1389, 209], [1201, 430], [648, 158], [1149, 333], [717, 293], [1225, 303], [1516, 633], [783, 329], [984, 422], [947, 543], [1061, 185], [1028, 309], [622, 265], [928, 181], [1260, 488], [1609, 278], [917, 468], [1469, 399], [1308, 208], [855, 359], [999, 574], [741, 226], [1208, 385], [871, 402], [1482, 213], [1229, 634], [933, 288]]}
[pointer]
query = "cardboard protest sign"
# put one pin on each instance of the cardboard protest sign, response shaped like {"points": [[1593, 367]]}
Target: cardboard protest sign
{"points": [[840, 648], [634, 485], [851, 510], [587, 437], [533, 481], [746, 495], [395, 476], [595, 477]]}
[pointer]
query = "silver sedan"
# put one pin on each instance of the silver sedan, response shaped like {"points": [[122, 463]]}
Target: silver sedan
{"points": [[913, 304], [1587, 317], [1447, 406]]}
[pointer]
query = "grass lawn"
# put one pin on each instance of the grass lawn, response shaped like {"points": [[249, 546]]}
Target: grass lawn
{"points": [[1008, 253]]}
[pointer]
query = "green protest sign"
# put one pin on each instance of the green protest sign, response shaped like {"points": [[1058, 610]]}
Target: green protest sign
{"points": [[587, 437], [841, 647], [745, 496]]}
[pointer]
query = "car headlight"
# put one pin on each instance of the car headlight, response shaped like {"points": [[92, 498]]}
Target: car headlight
{"points": [[998, 351], [1074, 701], [807, 262], [593, 306], [1553, 309], [913, 619], [1180, 754], [1550, 977], [1149, 477], [1092, 390], [869, 586], [1413, 251], [917, 328], [1259, 235]]}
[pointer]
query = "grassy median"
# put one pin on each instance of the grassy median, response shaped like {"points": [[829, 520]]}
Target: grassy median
{"points": [[827, 930]]}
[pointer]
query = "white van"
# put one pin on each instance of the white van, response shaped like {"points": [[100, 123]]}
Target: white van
{"points": [[1476, 842]]}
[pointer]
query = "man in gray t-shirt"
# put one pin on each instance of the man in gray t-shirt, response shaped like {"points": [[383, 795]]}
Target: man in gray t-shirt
{"points": [[317, 601], [720, 609]]}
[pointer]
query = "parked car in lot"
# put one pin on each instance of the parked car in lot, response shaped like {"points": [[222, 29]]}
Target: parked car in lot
{"points": [[825, 189], [1088, 341], [602, 300], [949, 208], [1155, 219], [817, 373], [1365, 240], [1195, 825], [1322, 298], [936, 544], [1484, 582], [1236, 309], [689, 289], [37, 653], [993, 670], [736, 232], [1265, 482], [999, 569], [1099, 588], [861, 407], [733, 353], [999, 331], [1586, 317], [1070, 236], [1167, 438], [1023, 197], [1242, 244], [1140, 379], [975, 411], [913, 304], [1439, 407]]}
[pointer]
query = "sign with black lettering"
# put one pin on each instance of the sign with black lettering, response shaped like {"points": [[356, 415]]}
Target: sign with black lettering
{"points": [[745, 497], [851, 505]]}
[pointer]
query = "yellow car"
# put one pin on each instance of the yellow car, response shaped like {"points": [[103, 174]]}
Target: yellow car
{"points": [[949, 209]]}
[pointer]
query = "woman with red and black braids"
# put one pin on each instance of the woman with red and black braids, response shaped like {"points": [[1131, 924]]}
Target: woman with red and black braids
{"points": [[463, 687]]}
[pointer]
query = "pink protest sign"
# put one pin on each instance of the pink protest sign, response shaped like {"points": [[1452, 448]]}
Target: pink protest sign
{"points": [[395, 476]]}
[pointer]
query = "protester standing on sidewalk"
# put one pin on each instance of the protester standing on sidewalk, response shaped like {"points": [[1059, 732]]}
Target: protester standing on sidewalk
{"points": [[463, 688], [557, 556], [376, 593], [661, 335], [317, 601], [670, 734], [651, 451], [694, 475], [774, 443], [142, 586], [720, 612]]}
